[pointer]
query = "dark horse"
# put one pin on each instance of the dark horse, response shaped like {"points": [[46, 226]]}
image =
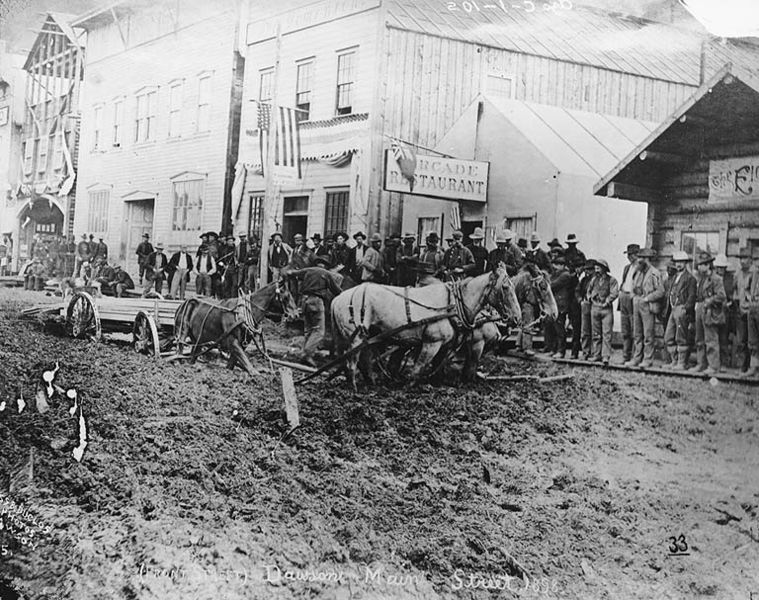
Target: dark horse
{"points": [[223, 323]]}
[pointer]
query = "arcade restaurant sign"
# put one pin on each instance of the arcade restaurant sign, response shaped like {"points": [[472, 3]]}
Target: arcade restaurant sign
{"points": [[448, 178], [734, 179]]}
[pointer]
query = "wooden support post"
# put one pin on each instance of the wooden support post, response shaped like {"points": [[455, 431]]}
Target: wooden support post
{"points": [[291, 400]]}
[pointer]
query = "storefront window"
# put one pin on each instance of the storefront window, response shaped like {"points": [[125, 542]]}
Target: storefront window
{"points": [[702, 241]]}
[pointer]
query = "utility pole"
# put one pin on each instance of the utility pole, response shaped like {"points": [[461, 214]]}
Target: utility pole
{"points": [[271, 188]]}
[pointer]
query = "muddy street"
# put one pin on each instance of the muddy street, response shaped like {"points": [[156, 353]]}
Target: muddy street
{"points": [[608, 485]]}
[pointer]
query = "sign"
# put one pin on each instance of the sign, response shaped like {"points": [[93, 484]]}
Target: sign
{"points": [[734, 179], [313, 14], [4, 115], [440, 177]]}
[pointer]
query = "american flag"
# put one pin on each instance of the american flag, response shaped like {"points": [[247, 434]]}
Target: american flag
{"points": [[455, 217], [287, 137]]}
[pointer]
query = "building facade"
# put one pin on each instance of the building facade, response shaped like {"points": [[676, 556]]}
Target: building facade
{"points": [[44, 201], [412, 69], [163, 86]]}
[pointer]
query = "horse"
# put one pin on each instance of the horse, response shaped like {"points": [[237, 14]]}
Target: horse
{"points": [[436, 317], [223, 323]]}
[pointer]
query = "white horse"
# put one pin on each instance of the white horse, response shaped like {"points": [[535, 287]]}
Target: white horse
{"points": [[438, 318]]}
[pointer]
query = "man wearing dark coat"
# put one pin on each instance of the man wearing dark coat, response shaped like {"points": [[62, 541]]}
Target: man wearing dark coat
{"points": [[407, 258], [144, 250], [562, 285], [479, 252], [155, 270]]}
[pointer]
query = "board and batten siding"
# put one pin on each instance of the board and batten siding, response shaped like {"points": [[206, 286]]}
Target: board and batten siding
{"points": [[686, 207], [204, 48]]}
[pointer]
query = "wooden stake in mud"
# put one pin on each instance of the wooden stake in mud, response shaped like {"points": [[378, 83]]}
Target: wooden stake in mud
{"points": [[291, 405]]}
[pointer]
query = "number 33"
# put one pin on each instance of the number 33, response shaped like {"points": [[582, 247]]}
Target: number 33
{"points": [[678, 544]]}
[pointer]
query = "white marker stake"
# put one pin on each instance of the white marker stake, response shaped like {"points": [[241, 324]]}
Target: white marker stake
{"points": [[2, 406], [21, 404], [48, 377], [78, 452], [71, 395]]}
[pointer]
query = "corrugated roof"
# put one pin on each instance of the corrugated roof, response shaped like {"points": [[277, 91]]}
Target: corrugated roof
{"points": [[576, 142], [581, 35]]}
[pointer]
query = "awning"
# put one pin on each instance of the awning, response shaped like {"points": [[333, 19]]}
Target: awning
{"points": [[43, 209]]}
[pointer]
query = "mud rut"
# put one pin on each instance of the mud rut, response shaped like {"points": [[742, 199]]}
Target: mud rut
{"points": [[430, 492]]}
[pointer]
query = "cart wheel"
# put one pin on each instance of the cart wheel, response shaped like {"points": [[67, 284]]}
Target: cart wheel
{"points": [[145, 335], [82, 318]]}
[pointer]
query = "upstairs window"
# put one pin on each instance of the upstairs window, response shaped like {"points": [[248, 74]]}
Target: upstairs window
{"points": [[97, 215], [265, 85], [187, 205], [204, 103], [175, 109], [118, 117], [346, 63], [498, 84], [304, 84], [144, 127]]}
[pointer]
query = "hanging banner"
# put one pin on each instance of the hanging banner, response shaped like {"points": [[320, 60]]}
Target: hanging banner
{"points": [[734, 179], [439, 177]]}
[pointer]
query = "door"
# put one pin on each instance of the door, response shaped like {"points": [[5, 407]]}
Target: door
{"points": [[467, 228], [139, 221], [293, 224]]}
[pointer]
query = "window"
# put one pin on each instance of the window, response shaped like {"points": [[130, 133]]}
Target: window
{"points": [[265, 87], [345, 75], [296, 206], [521, 226], [175, 107], [188, 205], [303, 90], [144, 129], [500, 85], [28, 156], [425, 226], [335, 213], [118, 115], [695, 242], [42, 154], [98, 123], [256, 215], [97, 216], [204, 103]]}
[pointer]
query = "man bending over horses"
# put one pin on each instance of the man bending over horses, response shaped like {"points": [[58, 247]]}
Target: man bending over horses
{"points": [[318, 287]]}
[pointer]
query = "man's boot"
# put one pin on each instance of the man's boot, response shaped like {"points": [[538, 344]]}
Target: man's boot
{"points": [[753, 369]]}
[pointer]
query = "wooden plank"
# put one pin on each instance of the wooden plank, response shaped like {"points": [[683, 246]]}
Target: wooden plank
{"points": [[291, 400], [633, 192]]}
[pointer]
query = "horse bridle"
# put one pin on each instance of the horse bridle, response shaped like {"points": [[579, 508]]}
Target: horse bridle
{"points": [[536, 282]]}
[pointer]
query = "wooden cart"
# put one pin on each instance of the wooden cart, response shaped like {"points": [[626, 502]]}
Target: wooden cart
{"points": [[89, 315]]}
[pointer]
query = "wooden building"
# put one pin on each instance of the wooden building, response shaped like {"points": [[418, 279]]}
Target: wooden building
{"points": [[698, 173], [415, 68], [50, 133], [163, 86]]}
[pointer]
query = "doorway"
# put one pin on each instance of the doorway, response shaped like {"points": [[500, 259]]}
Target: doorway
{"points": [[295, 218], [467, 228], [139, 221]]}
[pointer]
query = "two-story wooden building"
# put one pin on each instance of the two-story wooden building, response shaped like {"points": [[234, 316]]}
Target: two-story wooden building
{"points": [[163, 86], [45, 199]]}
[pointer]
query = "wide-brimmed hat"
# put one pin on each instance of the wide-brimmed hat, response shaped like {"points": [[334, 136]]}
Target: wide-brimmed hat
{"points": [[704, 258], [571, 239], [275, 234], [646, 253], [535, 237], [721, 261], [146, 235], [457, 235], [432, 236], [243, 235], [359, 234], [201, 236], [591, 262], [632, 249], [298, 236], [408, 235], [339, 234], [500, 238], [680, 256], [554, 243], [520, 240], [376, 237], [159, 245], [602, 263], [508, 234], [317, 237], [212, 233], [477, 234], [84, 235]]}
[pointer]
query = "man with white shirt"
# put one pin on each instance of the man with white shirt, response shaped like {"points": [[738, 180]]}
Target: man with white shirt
{"points": [[681, 296], [205, 267], [181, 266], [625, 305]]}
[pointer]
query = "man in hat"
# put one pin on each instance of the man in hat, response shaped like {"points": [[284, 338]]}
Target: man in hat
{"points": [[625, 305], [83, 255], [121, 281], [458, 260], [155, 270], [563, 283], [582, 299], [681, 298], [390, 258], [372, 265], [249, 261], [539, 256], [205, 269], [408, 255], [34, 275], [573, 254], [340, 254], [279, 256], [99, 249], [144, 250], [554, 246], [648, 292], [603, 290], [227, 266], [356, 256], [723, 268], [710, 301], [522, 244], [180, 265], [318, 287], [505, 254], [741, 353], [753, 315], [319, 248], [479, 252], [203, 243], [430, 265]]}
